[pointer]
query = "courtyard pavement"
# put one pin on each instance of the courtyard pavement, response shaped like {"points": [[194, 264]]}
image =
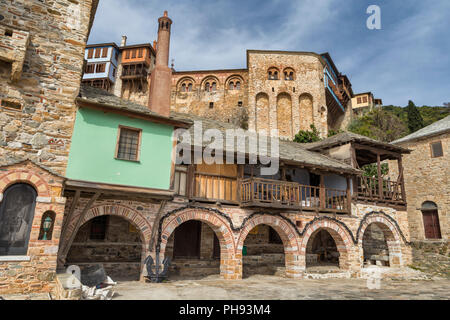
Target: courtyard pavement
{"points": [[274, 288]]}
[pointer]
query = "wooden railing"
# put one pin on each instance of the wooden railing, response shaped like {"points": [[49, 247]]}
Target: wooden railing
{"points": [[214, 187], [273, 193], [372, 189], [133, 71]]}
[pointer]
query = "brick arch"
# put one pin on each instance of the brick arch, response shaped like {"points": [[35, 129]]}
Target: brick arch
{"points": [[391, 235], [218, 224], [131, 215], [285, 231], [25, 176], [340, 235], [210, 78], [234, 77], [187, 79]]}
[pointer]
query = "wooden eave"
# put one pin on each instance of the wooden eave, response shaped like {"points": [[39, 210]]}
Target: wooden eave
{"points": [[85, 103], [116, 189]]}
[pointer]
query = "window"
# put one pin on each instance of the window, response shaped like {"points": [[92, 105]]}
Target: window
{"points": [[288, 74], [272, 74], [238, 85], [211, 105], [12, 105], [358, 100], [207, 86], [127, 54], [16, 218], [104, 52], [98, 228], [100, 68], [128, 144], [436, 149], [90, 68], [97, 52], [231, 85], [183, 87], [239, 103], [213, 87], [189, 87], [90, 53], [365, 99], [141, 52], [114, 72], [133, 53]]}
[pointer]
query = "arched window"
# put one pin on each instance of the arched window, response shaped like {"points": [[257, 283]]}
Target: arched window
{"points": [[207, 87], [213, 87], [231, 85], [47, 223], [289, 74], [272, 73], [183, 87], [431, 220], [16, 218], [189, 87], [238, 85]]}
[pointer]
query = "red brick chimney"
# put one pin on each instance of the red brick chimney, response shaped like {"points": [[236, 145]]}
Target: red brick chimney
{"points": [[159, 99]]}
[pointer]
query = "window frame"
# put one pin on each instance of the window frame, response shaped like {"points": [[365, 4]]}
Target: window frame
{"points": [[105, 52], [138, 155], [431, 149], [90, 53]]}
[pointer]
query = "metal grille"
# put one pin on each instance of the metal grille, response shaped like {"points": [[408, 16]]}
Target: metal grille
{"points": [[128, 144]]}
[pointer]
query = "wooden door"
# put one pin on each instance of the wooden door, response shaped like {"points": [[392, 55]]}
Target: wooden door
{"points": [[431, 224], [187, 240]]}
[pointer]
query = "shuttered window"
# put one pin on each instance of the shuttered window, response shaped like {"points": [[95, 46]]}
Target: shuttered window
{"points": [[436, 149], [127, 54], [90, 53], [100, 67], [97, 52], [105, 52], [128, 144], [133, 53]]}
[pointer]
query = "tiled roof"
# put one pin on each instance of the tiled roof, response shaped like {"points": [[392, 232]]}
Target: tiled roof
{"points": [[346, 137], [437, 127]]}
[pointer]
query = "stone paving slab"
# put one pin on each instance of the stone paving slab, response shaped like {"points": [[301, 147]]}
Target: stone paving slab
{"points": [[273, 288]]}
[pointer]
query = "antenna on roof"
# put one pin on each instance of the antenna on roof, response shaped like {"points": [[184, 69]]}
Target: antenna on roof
{"points": [[173, 63]]}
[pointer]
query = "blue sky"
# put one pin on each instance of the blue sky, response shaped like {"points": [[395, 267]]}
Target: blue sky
{"points": [[409, 58]]}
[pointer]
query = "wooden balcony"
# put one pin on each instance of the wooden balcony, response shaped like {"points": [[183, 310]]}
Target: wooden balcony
{"points": [[134, 72], [258, 192], [380, 190]]}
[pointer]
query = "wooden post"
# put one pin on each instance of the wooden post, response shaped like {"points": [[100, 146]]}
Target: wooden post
{"points": [[322, 192], [402, 179], [349, 196], [68, 244], [380, 178]]}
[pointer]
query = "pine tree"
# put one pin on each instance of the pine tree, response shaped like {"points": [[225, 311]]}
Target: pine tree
{"points": [[415, 121]]}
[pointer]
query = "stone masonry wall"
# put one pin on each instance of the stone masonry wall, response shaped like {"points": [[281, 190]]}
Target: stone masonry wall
{"points": [[45, 90], [426, 179]]}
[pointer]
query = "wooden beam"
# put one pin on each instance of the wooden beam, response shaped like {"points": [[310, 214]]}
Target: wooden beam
{"points": [[380, 179], [67, 219], [156, 224], [68, 244], [402, 178]]}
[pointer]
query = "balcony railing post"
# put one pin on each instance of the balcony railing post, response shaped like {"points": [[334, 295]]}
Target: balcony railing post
{"points": [[349, 197], [322, 203], [380, 178]]}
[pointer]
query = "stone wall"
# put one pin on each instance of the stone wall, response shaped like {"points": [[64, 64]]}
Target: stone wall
{"points": [[293, 105], [40, 73], [36, 271], [228, 105], [426, 179]]}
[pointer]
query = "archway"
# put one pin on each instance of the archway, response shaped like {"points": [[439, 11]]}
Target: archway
{"points": [[326, 245], [322, 251], [306, 111], [262, 120], [281, 230], [380, 242], [112, 241], [209, 221], [284, 115], [194, 251], [263, 252]]}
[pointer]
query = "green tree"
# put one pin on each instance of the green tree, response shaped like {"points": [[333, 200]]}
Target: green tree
{"points": [[415, 120], [380, 125], [305, 136]]}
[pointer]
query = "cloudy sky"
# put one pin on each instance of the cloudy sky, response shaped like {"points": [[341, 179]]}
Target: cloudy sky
{"points": [[409, 58]]}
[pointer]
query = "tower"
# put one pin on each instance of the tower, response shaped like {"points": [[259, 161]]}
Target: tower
{"points": [[159, 100]]}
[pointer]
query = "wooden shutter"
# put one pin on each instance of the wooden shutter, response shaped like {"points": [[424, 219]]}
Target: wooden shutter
{"points": [[90, 53], [105, 52], [133, 54], [97, 52], [436, 149], [127, 54]]}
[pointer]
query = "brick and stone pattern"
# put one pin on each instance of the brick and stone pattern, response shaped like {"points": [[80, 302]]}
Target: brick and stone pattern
{"points": [[292, 105], [232, 226], [40, 70], [226, 102], [36, 271], [426, 179]]}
